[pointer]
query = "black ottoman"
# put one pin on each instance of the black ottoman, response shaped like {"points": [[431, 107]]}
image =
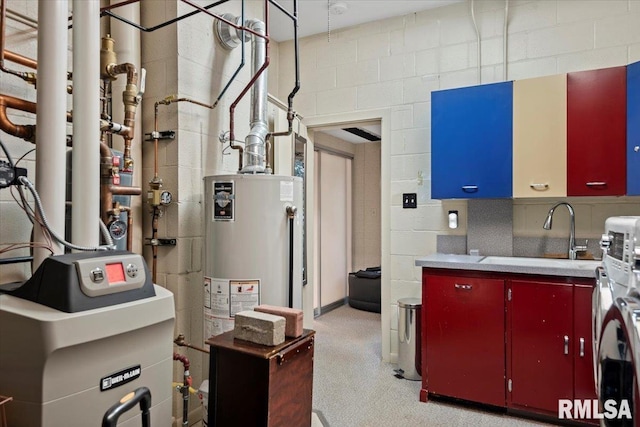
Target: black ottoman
{"points": [[364, 289]]}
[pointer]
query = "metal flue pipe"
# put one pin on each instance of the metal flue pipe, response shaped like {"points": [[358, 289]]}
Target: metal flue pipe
{"points": [[255, 152], [51, 119], [86, 129]]}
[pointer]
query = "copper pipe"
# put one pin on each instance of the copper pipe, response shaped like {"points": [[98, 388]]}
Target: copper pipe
{"points": [[26, 132], [3, 27], [180, 342], [19, 59], [155, 141], [118, 190], [130, 101], [167, 101], [107, 189], [127, 209]]}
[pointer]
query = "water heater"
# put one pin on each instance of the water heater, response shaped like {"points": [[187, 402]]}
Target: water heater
{"points": [[253, 245]]}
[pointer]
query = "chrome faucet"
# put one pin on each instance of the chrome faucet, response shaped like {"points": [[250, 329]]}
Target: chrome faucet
{"points": [[573, 248]]}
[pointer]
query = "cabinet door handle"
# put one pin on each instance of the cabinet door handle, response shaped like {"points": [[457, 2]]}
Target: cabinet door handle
{"points": [[581, 347], [539, 187], [566, 344], [596, 184], [470, 188], [463, 287]]}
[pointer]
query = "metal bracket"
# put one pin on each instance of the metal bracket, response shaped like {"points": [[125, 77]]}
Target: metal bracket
{"points": [[167, 241], [164, 134]]}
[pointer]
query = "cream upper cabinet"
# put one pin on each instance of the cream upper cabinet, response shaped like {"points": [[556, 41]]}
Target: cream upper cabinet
{"points": [[540, 137]]}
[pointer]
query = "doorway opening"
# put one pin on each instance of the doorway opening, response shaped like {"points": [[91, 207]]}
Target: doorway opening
{"points": [[347, 195]]}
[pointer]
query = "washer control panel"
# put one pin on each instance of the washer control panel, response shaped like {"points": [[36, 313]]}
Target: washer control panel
{"points": [[110, 274]]}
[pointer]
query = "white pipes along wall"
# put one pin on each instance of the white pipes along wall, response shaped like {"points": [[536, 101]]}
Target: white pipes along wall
{"points": [[51, 119], [86, 130]]}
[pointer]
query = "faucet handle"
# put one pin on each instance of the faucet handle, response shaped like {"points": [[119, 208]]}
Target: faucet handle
{"points": [[581, 248]]}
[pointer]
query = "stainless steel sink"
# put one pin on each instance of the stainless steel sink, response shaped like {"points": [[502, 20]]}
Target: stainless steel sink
{"points": [[540, 262]]}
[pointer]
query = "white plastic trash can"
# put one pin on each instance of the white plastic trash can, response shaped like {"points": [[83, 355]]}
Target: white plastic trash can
{"points": [[409, 365]]}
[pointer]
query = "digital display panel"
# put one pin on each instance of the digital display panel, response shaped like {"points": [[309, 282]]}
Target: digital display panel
{"points": [[115, 273], [616, 250]]}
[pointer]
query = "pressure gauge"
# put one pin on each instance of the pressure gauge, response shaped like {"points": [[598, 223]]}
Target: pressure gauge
{"points": [[117, 229], [165, 198]]}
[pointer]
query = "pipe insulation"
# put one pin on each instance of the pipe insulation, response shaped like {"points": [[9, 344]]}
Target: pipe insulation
{"points": [[255, 152], [127, 48], [85, 173], [51, 120]]}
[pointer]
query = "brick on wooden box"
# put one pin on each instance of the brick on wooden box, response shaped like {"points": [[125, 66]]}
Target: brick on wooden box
{"points": [[293, 316], [260, 328]]}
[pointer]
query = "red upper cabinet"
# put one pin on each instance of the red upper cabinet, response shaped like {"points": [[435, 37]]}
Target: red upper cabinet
{"points": [[596, 132]]}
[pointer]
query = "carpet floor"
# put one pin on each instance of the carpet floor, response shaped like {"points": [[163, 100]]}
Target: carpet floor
{"points": [[352, 386]]}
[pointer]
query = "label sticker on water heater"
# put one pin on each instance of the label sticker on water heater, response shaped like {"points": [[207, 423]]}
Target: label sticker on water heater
{"points": [[223, 198], [286, 191], [120, 378]]}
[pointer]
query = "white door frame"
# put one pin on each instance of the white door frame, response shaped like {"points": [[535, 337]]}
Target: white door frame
{"points": [[384, 115]]}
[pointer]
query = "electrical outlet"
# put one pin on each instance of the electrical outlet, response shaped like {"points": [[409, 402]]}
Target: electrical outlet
{"points": [[409, 200]]}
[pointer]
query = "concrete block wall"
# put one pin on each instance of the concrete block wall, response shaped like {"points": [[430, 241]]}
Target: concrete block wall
{"points": [[185, 60], [14, 223], [397, 63]]}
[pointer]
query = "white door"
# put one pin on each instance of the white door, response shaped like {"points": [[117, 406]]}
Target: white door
{"points": [[333, 229]]}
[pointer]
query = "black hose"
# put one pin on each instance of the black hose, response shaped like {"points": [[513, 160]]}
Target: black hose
{"points": [[15, 260], [291, 219]]}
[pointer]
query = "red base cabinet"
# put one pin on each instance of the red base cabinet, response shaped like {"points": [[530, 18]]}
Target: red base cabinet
{"points": [[549, 350], [517, 341], [464, 334], [540, 317]]}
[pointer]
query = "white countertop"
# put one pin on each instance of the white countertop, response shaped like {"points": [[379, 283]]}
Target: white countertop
{"points": [[520, 265]]}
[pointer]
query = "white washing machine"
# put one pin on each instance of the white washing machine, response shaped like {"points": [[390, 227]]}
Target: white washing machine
{"points": [[616, 323]]}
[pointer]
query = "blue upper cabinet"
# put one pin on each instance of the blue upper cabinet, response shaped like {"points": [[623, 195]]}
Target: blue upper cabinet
{"points": [[633, 129], [471, 135]]}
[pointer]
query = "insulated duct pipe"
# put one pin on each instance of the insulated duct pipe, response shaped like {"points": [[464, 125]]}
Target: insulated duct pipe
{"points": [[51, 119], [255, 152], [128, 52], [85, 174]]}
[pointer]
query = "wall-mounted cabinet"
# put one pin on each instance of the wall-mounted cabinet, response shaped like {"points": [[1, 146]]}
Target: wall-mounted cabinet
{"points": [[596, 132], [575, 134], [471, 142], [540, 137], [633, 129]]}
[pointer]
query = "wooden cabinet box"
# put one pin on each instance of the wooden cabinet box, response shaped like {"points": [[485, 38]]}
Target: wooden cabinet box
{"points": [[255, 385]]}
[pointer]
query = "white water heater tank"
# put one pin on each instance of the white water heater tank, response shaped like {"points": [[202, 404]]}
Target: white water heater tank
{"points": [[250, 236]]}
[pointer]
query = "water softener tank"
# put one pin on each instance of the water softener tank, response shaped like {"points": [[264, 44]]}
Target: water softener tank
{"points": [[253, 247]]}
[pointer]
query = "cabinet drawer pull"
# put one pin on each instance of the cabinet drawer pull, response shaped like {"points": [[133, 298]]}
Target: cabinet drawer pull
{"points": [[566, 344], [470, 188], [596, 184], [539, 187], [463, 287], [581, 347]]}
